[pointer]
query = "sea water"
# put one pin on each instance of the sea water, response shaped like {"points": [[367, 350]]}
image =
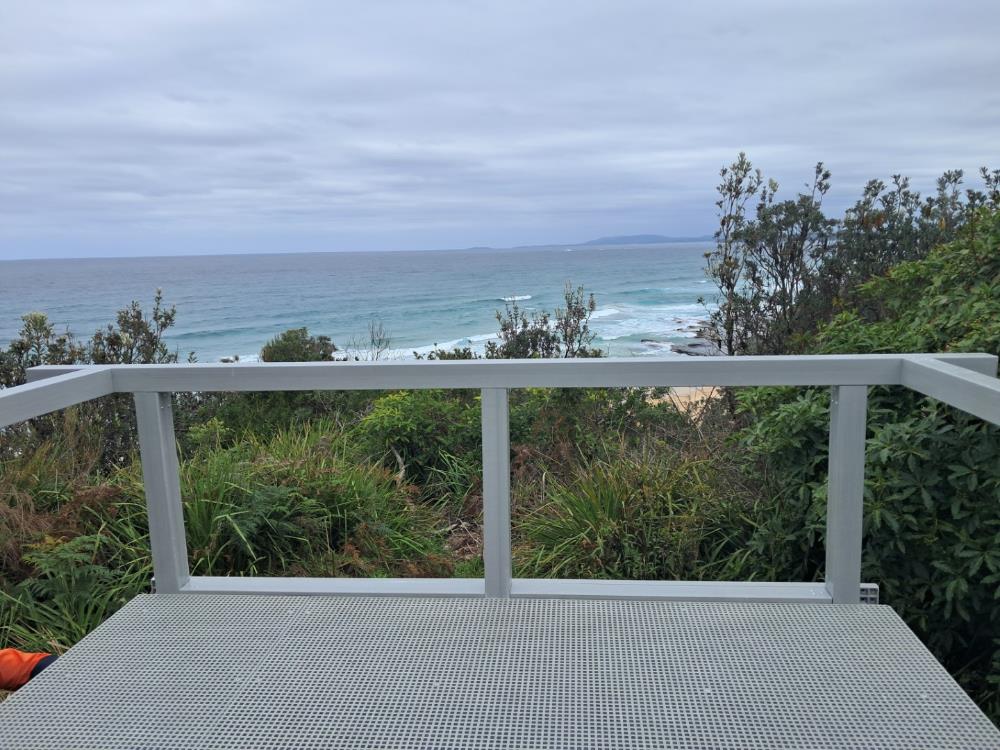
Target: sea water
{"points": [[230, 305]]}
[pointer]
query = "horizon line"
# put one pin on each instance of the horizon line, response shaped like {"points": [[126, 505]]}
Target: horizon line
{"points": [[471, 248]]}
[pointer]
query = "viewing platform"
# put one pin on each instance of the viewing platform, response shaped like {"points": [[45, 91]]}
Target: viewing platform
{"points": [[256, 671], [501, 662]]}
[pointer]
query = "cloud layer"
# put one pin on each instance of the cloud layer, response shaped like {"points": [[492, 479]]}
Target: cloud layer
{"points": [[152, 128]]}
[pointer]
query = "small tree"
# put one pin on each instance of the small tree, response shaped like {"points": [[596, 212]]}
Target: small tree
{"points": [[37, 344], [536, 336], [892, 224], [763, 266], [377, 345], [784, 244], [134, 338], [137, 338], [727, 263]]}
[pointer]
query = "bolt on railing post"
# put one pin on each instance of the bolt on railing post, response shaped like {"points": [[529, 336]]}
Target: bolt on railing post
{"points": [[845, 492], [161, 478], [496, 492]]}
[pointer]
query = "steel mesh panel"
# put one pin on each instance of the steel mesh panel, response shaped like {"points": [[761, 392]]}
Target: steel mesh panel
{"points": [[228, 671]]}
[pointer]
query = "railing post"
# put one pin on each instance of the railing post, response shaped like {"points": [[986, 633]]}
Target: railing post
{"points": [[496, 492], [161, 478], [845, 492]]}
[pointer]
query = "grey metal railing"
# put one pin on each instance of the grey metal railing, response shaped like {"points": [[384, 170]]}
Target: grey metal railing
{"points": [[965, 381]]}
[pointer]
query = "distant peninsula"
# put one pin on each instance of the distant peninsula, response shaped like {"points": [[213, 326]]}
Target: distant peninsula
{"points": [[618, 240], [644, 239]]}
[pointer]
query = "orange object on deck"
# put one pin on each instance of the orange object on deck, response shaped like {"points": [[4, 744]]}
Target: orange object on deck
{"points": [[16, 667]]}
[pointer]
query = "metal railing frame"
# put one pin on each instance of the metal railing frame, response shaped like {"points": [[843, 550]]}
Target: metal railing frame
{"points": [[965, 381]]}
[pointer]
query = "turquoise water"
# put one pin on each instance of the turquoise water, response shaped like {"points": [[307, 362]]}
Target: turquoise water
{"points": [[647, 295]]}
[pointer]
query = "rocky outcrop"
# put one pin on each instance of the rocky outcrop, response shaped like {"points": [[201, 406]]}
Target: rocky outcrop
{"points": [[704, 344]]}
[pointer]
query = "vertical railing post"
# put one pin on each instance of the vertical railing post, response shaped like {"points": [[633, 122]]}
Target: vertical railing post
{"points": [[845, 492], [496, 492], [161, 478]]}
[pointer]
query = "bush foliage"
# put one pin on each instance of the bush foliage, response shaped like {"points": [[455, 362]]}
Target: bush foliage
{"points": [[932, 488]]}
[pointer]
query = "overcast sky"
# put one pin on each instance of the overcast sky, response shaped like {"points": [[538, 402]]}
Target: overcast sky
{"points": [[136, 128]]}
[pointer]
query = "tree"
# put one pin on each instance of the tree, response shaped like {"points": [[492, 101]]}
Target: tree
{"points": [[765, 264], [888, 225], [785, 269], [727, 263], [784, 245]]}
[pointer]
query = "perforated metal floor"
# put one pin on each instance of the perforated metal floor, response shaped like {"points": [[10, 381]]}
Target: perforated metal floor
{"points": [[228, 671]]}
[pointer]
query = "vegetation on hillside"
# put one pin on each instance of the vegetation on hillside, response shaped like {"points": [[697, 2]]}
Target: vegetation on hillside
{"points": [[932, 495]]}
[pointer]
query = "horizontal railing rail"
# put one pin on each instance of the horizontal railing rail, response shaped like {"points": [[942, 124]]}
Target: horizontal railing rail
{"points": [[803, 370], [964, 381]]}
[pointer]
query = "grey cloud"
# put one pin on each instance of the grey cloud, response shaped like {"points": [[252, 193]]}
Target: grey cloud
{"points": [[186, 126]]}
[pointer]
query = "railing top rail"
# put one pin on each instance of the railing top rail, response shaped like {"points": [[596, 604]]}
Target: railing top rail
{"points": [[943, 376], [800, 370], [67, 388]]}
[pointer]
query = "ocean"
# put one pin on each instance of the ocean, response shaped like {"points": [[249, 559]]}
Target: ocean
{"points": [[230, 305]]}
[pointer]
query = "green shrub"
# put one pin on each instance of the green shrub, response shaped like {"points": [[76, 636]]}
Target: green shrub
{"points": [[136, 337], [932, 515], [267, 413], [563, 333], [296, 345], [295, 501], [413, 430], [454, 480], [948, 301]]}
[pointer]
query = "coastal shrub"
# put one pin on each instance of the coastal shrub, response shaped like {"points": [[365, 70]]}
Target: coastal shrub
{"points": [[37, 343], [549, 422], [564, 333], [72, 592], [270, 412], [454, 480], [135, 337], [458, 353], [298, 500], [566, 426], [413, 430], [892, 225], [296, 345], [39, 487], [932, 515], [947, 302]]}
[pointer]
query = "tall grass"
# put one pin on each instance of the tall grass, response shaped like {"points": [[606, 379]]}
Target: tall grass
{"points": [[297, 503], [639, 514]]}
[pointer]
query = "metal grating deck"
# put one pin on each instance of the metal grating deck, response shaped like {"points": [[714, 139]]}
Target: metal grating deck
{"points": [[234, 671]]}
